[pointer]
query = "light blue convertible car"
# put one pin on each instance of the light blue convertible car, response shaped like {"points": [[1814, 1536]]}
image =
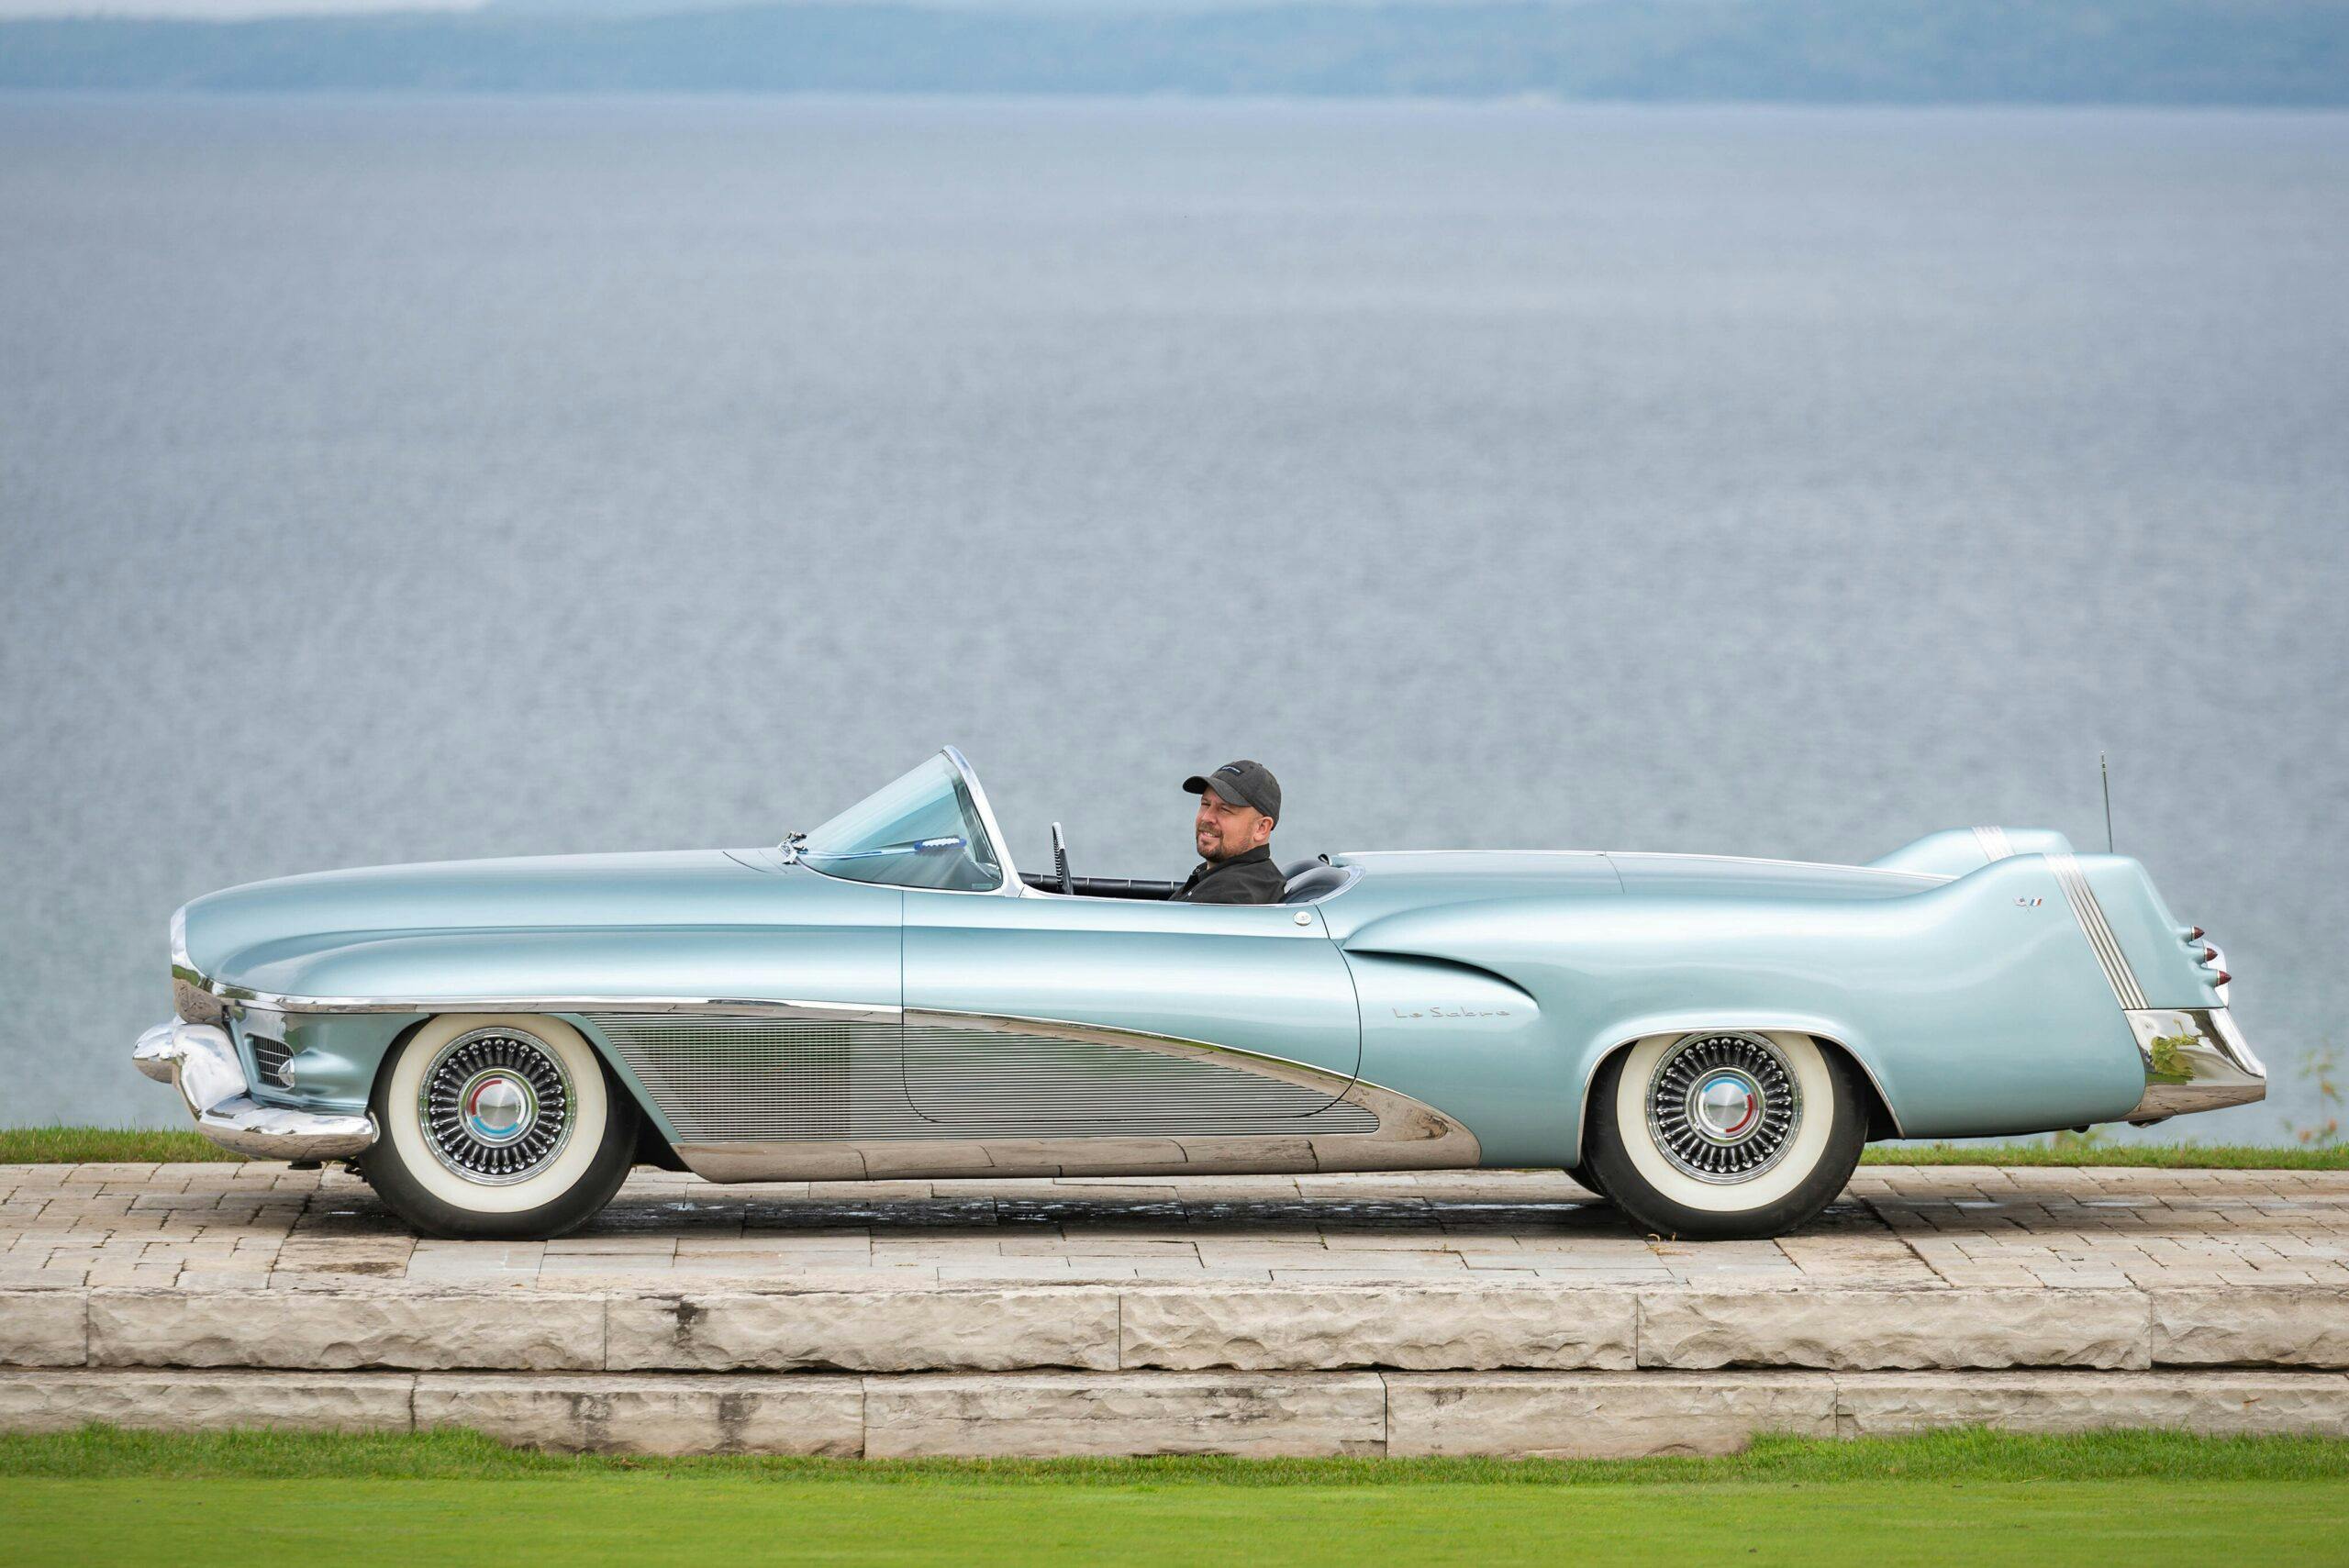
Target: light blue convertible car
{"points": [[1707, 1041]]}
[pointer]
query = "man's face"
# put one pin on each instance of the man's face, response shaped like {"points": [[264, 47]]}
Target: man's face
{"points": [[1224, 829]]}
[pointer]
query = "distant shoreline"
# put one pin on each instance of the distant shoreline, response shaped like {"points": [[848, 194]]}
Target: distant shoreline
{"points": [[2118, 53], [1144, 102], [1097, 104]]}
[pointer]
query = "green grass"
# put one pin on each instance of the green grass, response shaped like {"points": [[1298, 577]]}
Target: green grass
{"points": [[1972, 1454], [112, 1145], [107, 1145], [107, 1496]]}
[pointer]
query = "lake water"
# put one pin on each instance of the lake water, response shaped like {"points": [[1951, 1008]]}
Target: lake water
{"points": [[397, 480]]}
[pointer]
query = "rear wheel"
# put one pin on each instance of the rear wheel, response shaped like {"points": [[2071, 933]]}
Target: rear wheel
{"points": [[498, 1126], [1725, 1133]]}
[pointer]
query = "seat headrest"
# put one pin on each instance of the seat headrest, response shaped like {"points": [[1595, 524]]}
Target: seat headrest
{"points": [[1311, 881]]}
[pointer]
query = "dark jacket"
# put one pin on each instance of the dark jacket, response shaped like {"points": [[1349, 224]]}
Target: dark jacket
{"points": [[1247, 878]]}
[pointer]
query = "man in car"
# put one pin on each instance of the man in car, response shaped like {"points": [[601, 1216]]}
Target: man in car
{"points": [[1239, 803]]}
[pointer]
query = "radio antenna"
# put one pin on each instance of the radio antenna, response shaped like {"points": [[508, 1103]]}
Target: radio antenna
{"points": [[2105, 768]]}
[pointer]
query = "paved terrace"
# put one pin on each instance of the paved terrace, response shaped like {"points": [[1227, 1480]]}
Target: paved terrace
{"points": [[251, 1227], [1495, 1312]]}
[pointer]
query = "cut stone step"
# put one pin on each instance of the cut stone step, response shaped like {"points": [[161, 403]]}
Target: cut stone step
{"points": [[1045, 1415], [1534, 1325]]}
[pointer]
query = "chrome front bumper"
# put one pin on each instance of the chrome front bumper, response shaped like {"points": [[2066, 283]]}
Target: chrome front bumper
{"points": [[2195, 1061], [200, 1060]]}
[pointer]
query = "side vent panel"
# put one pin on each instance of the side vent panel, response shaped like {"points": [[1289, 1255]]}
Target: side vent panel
{"points": [[720, 1079], [723, 1078], [979, 1082]]}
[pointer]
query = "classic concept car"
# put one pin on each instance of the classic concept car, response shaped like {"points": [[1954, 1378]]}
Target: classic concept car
{"points": [[1706, 1041]]}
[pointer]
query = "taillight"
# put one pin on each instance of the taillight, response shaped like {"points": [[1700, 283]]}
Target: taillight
{"points": [[2210, 958]]}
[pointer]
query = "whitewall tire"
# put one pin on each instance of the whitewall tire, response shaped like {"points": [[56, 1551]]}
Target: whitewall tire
{"points": [[499, 1125], [1725, 1133]]}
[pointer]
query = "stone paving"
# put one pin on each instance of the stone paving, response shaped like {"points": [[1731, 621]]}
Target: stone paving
{"points": [[249, 1226], [1483, 1312]]}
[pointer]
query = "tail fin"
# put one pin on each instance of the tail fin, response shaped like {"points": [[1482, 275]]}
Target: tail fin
{"points": [[1953, 851]]}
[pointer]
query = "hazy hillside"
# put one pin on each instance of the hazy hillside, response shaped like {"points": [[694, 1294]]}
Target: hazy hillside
{"points": [[2148, 52]]}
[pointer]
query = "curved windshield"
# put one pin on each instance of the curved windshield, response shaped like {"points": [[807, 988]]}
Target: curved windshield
{"points": [[922, 830]]}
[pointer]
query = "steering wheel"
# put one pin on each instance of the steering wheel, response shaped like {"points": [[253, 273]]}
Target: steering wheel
{"points": [[1060, 862]]}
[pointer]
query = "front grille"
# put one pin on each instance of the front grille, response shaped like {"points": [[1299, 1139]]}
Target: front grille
{"points": [[270, 1057]]}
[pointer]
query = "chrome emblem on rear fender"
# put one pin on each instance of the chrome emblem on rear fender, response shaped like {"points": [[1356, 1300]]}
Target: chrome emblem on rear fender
{"points": [[1440, 1011]]}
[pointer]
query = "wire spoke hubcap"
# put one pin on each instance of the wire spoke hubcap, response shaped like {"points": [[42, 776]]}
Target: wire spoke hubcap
{"points": [[1724, 1108], [496, 1106]]}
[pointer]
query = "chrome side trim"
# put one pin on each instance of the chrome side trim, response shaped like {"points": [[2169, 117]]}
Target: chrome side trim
{"points": [[1410, 1136], [1994, 842], [1299, 1072], [836, 1102], [765, 1006], [726, 1078], [983, 1075], [201, 1062], [2090, 915], [2195, 1060]]}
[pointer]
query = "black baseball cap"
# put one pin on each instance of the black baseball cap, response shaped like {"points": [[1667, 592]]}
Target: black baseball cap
{"points": [[1240, 784]]}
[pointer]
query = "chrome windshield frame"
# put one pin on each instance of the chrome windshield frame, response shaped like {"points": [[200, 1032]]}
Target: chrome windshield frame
{"points": [[1011, 885]]}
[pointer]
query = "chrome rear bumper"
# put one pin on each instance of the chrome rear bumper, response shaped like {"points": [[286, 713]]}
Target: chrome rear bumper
{"points": [[2195, 1061], [200, 1060]]}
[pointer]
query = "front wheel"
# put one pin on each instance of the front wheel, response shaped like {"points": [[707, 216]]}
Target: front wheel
{"points": [[500, 1127], [1724, 1134]]}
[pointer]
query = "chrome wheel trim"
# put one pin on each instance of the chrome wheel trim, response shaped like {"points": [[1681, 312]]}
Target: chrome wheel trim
{"points": [[1723, 1108], [496, 1106]]}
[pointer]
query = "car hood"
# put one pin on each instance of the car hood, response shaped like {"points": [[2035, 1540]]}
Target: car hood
{"points": [[224, 931]]}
